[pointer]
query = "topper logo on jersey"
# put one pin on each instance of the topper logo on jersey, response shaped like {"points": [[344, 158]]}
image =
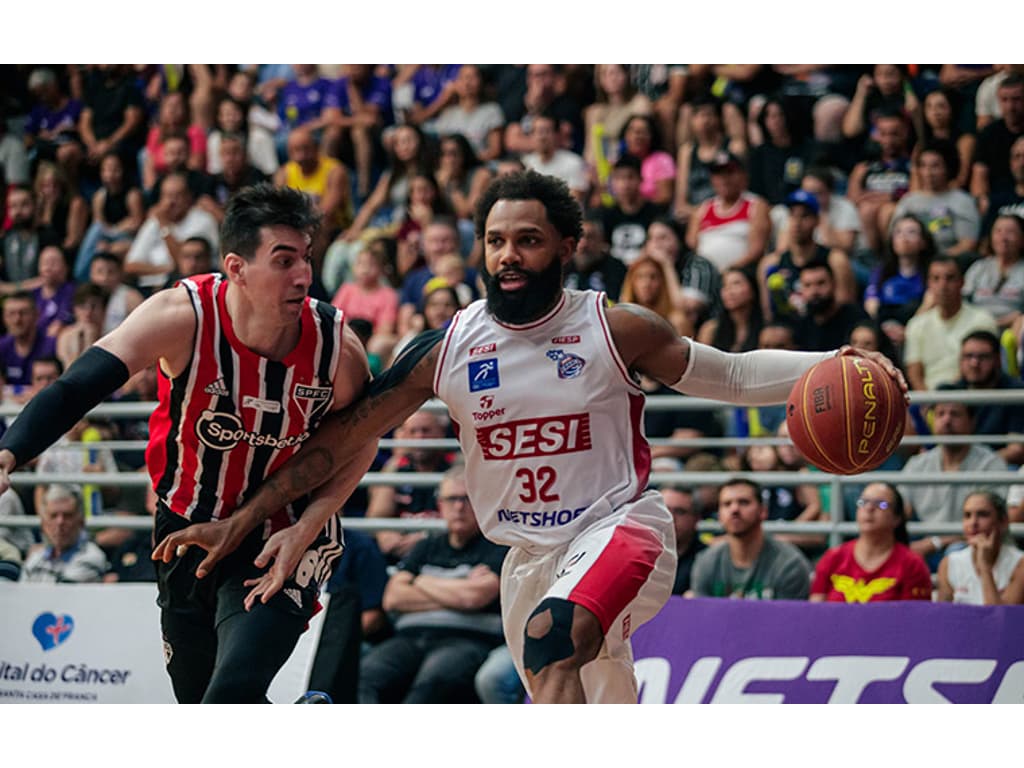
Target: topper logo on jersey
{"points": [[487, 410], [483, 374], [548, 436], [223, 431], [569, 365]]}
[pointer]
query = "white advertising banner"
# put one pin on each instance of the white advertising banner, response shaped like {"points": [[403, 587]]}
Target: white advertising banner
{"points": [[100, 644]]}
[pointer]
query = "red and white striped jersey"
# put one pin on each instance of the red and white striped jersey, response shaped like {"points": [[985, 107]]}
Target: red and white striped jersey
{"points": [[549, 419], [232, 416]]}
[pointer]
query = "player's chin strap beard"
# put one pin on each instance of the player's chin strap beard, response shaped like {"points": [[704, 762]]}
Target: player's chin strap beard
{"points": [[529, 303]]}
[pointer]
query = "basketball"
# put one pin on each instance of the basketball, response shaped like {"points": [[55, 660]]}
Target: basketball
{"points": [[846, 415]]}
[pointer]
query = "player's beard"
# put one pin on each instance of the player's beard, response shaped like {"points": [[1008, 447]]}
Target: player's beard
{"points": [[528, 303]]}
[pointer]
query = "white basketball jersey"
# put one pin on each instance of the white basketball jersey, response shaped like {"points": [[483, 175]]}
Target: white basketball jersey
{"points": [[550, 423]]}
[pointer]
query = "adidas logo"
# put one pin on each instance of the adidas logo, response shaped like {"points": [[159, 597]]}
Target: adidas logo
{"points": [[217, 388]]}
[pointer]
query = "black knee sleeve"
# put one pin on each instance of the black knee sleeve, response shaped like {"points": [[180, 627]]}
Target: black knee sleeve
{"points": [[557, 644]]}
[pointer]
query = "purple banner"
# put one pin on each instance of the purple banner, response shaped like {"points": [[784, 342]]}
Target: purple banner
{"points": [[732, 651]]}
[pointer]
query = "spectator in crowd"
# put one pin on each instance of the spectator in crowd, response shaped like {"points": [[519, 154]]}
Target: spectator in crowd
{"points": [[707, 140], [885, 89], [826, 323], [323, 178], [593, 267], [630, 214], [423, 91], [409, 157], [23, 342], [665, 85], [175, 153], [480, 122], [173, 119], [942, 502], [699, 279], [838, 220], [996, 283], [301, 103], [685, 517], [949, 213], [106, 271], [118, 211], [990, 174], [736, 326], [641, 139], [21, 243], [652, 283], [897, 286], [71, 454], [990, 569], [112, 118], [54, 294], [541, 95], [933, 335], [549, 158], [14, 162], [461, 176], [941, 122], [878, 565], [986, 103], [749, 563], [497, 681], [732, 228], [51, 132], [242, 88], [369, 296], [778, 273], [980, 369], [257, 142], [445, 593], [61, 213], [234, 174], [877, 184], [355, 121], [156, 250], [407, 501], [89, 305], [440, 239], [435, 311], [67, 554], [867, 334], [777, 165], [616, 100], [130, 559], [45, 371], [1007, 203]]}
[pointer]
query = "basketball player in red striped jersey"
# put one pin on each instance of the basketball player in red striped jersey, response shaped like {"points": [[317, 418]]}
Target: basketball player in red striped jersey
{"points": [[249, 366], [542, 384]]}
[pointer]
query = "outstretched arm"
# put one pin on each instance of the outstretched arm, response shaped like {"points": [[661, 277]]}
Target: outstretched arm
{"points": [[648, 344]]}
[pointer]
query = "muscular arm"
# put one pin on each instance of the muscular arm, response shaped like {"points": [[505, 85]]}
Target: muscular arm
{"points": [[398, 392], [401, 594], [478, 589]]}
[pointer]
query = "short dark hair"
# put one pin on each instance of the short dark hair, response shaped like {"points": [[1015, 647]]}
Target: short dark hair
{"points": [[947, 151], [563, 211], [113, 258], [264, 205], [203, 243], [20, 296], [628, 162], [986, 336], [818, 264], [943, 259], [51, 360], [751, 484], [1012, 80], [87, 291]]}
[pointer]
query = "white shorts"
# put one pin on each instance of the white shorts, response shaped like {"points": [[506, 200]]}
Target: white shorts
{"points": [[621, 568]]}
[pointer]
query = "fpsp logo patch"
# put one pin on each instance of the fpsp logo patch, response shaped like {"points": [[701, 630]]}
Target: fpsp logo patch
{"points": [[569, 365], [50, 630], [483, 374]]}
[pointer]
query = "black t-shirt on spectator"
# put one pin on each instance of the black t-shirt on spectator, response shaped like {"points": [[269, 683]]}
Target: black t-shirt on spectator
{"points": [[831, 334], [626, 232], [993, 150], [108, 100], [606, 275]]}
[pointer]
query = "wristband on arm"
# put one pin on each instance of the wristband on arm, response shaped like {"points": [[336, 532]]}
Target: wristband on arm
{"points": [[55, 410], [760, 377]]}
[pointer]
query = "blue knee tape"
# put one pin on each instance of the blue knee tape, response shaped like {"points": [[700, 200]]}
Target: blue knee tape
{"points": [[556, 644]]}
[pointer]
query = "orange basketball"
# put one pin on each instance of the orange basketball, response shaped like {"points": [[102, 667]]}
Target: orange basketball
{"points": [[846, 415]]}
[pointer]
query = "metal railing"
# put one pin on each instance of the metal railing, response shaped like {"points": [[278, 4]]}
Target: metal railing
{"points": [[835, 528]]}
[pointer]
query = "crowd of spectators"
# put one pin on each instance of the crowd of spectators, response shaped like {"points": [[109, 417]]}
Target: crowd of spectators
{"points": [[752, 206]]}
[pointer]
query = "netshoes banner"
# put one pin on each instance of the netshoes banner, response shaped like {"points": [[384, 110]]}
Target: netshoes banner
{"points": [[100, 643], [732, 651]]}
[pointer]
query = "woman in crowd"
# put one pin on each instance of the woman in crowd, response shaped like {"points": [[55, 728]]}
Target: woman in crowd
{"points": [[480, 122], [877, 565], [652, 283], [777, 165], [736, 326], [897, 285], [118, 211], [941, 123], [990, 569], [707, 140], [461, 175], [61, 212], [641, 139], [232, 117], [616, 101], [699, 280], [996, 283], [172, 120]]}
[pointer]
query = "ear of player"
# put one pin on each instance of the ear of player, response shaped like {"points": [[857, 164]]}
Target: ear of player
{"points": [[846, 415]]}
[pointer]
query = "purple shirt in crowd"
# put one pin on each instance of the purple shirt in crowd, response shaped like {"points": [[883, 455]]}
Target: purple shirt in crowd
{"points": [[18, 369], [301, 103], [58, 307]]}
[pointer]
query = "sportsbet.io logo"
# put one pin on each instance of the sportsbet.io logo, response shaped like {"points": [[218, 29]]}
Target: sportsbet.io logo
{"points": [[223, 431]]}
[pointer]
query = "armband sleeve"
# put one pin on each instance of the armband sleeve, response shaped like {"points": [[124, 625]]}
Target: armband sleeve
{"points": [[61, 405], [760, 377]]}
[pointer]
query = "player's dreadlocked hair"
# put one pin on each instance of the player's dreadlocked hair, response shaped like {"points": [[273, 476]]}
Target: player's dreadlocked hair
{"points": [[563, 211], [264, 205]]}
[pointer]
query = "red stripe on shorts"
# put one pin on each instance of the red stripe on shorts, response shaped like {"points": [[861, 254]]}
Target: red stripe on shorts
{"points": [[619, 572]]}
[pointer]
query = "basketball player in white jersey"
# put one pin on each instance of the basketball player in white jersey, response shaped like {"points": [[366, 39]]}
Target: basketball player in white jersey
{"points": [[542, 385]]}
